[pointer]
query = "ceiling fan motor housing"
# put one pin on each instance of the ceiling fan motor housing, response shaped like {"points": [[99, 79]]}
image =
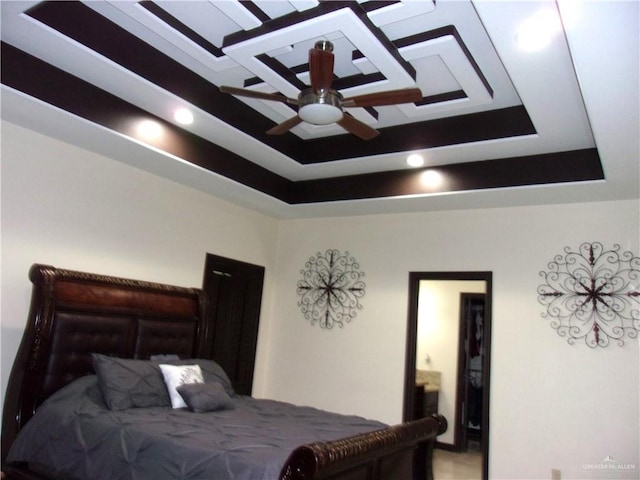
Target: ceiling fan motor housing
{"points": [[320, 108]]}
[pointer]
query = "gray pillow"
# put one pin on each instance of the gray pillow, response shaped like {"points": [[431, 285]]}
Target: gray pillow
{"points": [[127, 383], [205, 397]]}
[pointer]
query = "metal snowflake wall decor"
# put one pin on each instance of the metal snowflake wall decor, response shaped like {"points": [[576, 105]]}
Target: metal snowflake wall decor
{"points": [[330, 289], [593, 294]]}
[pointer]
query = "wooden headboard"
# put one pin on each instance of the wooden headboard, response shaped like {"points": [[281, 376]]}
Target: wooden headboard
{"points": [[74, 314]]}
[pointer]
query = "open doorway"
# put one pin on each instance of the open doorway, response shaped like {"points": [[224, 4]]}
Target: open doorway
{"points": [[471, 351], [449, 352]]}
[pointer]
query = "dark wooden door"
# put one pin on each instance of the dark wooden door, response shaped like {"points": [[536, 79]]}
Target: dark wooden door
{"points": [[234, 291]]}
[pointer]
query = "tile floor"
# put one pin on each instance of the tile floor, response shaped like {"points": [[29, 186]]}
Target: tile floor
{"points": [[457, 466]]}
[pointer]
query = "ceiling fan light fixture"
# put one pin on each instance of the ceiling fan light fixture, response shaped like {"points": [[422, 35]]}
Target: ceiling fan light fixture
{"points": [[320, 114], [321, 108]]}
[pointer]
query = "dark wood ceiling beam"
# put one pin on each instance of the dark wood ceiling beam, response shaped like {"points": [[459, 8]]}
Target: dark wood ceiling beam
{"points": [[571, 166], [475, 127]]}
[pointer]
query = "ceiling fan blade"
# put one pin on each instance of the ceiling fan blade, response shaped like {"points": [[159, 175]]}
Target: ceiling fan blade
{"points": [[390, 97], [355, 126], [321, 62], [244, 92], [285, 126]]}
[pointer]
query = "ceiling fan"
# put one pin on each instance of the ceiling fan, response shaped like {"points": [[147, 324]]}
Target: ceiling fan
{"points": [[322, 105]]}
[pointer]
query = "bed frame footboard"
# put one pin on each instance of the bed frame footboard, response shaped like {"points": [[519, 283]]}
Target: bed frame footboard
{"points": [[401, 452]]}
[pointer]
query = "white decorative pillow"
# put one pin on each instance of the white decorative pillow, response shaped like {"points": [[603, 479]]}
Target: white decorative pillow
{"points": [[176, 375]]}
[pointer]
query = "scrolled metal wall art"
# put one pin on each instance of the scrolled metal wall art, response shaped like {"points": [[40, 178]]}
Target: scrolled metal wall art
{"points": [[593, 294], [330, 289]]}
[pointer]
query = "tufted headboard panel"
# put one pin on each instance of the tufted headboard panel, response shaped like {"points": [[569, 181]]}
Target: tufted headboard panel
{"points": [[74, 314]]}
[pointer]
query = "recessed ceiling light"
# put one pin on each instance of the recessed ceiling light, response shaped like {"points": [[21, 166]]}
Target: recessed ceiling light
{"points": [[537, 31], [431, 178], [183, 116], [415, 160], [149, 129]]}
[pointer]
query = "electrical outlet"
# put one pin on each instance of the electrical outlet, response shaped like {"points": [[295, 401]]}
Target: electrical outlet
{"points": [[555, 474]]}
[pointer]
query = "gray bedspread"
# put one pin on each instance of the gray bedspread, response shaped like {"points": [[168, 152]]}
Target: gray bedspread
{"points": [[75, 435]]}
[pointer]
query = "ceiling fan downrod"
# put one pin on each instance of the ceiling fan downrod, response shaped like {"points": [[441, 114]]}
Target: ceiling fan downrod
{"points": [[325, 45]]}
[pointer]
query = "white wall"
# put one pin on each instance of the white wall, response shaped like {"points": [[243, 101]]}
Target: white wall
{"points": [[70, 208], [553, 405]]}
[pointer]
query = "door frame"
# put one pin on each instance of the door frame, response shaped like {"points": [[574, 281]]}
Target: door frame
{"points": [[410, 351]]}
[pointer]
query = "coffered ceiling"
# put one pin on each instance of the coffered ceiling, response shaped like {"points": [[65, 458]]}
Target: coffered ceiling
{"points": [[497, 125]]}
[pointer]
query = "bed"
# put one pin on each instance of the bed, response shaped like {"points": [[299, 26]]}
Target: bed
{"points": [[69, 410]]}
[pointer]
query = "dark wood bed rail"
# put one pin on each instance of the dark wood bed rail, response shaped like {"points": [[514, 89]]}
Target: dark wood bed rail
{"points": [[368, 455]]}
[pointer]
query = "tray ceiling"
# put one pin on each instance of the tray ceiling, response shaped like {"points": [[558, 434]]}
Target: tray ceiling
{"points": [[491, 117]]}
